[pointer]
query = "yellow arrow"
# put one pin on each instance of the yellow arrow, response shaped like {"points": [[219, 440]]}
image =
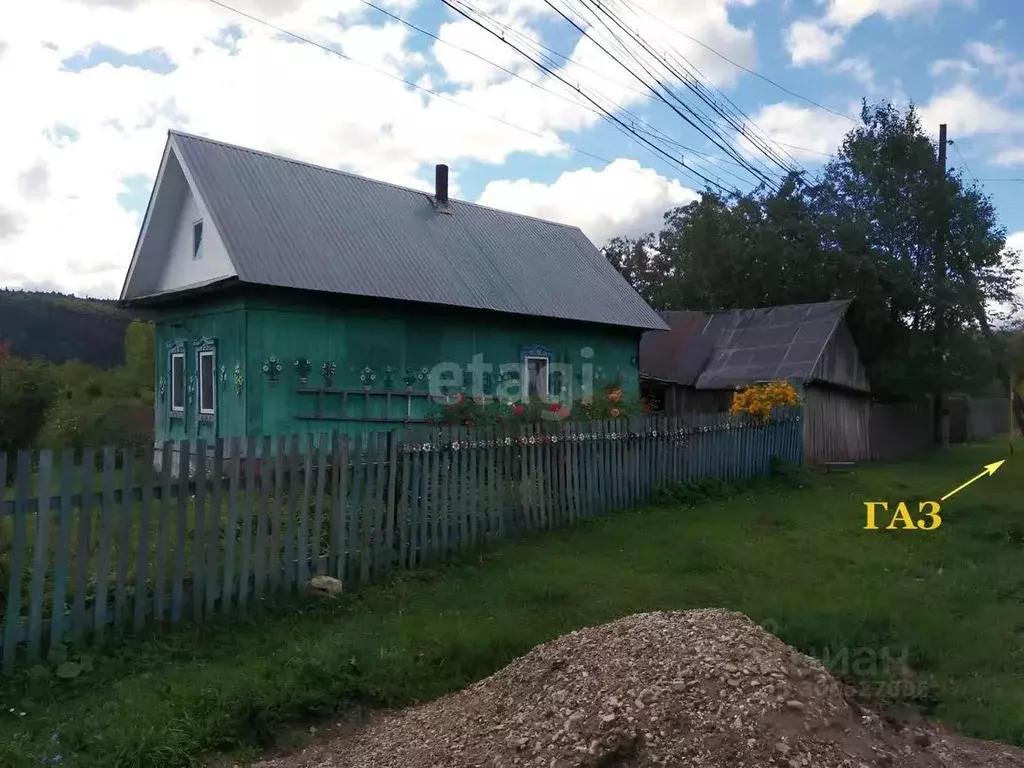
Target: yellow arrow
{"points": [[990, 469]]}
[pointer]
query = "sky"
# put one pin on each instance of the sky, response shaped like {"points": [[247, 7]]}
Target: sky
{"points": [[89, 89]]}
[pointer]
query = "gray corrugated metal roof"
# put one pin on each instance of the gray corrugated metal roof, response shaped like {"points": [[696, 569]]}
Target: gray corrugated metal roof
{"points": [[291, 224], [731, 348], [754, 345]]}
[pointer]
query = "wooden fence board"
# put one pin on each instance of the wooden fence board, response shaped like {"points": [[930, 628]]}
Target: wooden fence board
{"points": [[316, 535], [262, 514], [160, 608], [39, 557], [106, 534], [302, 548], [18, 548], [231, 532], [213, 532], [352, 538], [246, 532], [125, 516], [198, 568], [282, 526], [340, 509], [63, 554]]}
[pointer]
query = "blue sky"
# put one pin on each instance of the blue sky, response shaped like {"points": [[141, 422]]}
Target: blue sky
{"points": [[102, 83]]}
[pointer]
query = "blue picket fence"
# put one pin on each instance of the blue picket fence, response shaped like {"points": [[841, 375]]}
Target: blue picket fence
{"points": [[96, 546]]}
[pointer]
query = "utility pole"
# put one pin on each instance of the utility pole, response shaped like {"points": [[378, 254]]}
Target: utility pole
{"points": [[939, 290]]}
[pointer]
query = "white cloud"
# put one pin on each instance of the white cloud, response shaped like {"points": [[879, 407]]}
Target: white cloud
{"points": [[815, 41], [968, 113], [1009, 156], [60, 220], [805, 133], [999, 62], [955, 67], [620, 199], [810, 42]]}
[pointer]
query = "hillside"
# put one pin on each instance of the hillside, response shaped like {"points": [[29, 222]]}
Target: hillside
{"points": [[60, 327]]}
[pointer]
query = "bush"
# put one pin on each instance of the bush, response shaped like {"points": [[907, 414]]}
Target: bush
{"points": [[79, 424], [26, 392], [760, 399]]}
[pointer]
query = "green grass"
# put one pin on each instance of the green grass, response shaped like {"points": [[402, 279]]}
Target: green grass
{"points": [[793, 558]]}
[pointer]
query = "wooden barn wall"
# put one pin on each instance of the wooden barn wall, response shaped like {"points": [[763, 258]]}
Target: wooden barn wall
{"points": [[686, 401], [840, 362], [836, 426], [900, 430]]}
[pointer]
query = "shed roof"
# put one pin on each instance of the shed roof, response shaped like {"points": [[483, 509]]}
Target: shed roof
{"points": [[726, 349], [290, 224]]}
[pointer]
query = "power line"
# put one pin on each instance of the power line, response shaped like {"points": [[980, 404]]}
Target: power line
{"points": [[963, 162], [549, 54], [692, 121], [749, 71], [608, 114], [416, 86], [706, 92], [598, 112]]}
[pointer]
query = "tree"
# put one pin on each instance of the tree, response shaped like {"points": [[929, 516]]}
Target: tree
{"points": [[866, 230], [26, 392]]}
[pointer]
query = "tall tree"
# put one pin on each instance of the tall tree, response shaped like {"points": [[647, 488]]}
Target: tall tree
{"points": [[866, 229]]}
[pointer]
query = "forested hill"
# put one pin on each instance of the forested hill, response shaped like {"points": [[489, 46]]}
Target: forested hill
{"points": [[59, 327]]}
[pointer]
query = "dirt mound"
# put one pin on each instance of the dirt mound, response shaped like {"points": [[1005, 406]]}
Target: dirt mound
{"points": [[707, 689]]}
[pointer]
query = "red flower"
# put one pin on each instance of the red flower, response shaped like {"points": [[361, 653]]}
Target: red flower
{"points": [[647, 407], [555, 407], [458, 399], [518, 410], [563, 412]]}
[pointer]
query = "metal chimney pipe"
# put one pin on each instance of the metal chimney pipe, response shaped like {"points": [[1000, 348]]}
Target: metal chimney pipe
{"points": [[441, 184]]}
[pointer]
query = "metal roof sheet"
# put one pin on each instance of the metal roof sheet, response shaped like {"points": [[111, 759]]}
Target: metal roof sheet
{"points": [[755, 345], [290, 224], [731, 348]]}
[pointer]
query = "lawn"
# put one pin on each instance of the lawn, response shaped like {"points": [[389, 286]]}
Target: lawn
{"points": [[794, 558]]}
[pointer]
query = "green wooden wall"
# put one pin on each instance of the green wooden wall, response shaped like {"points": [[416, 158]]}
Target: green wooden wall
{"points": [[357, 334], [223, 322]]}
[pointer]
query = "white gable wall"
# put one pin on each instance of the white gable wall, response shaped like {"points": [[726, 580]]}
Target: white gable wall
{"points": [[180, 269]]}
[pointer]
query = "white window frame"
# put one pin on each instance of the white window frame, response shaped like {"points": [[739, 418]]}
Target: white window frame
{"points": [[197, 253], [547, 375], [174, 382], [212, 354]]}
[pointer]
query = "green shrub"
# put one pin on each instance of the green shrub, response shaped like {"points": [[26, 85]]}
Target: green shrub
{"points": [[26, 391], [79, 423]]}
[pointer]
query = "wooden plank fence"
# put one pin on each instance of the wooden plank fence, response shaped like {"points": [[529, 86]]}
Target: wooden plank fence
{"points": [[109, 545]]}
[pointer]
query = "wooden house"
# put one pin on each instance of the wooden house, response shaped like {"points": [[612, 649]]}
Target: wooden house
{"points": [[291, 298], [697, 365]]}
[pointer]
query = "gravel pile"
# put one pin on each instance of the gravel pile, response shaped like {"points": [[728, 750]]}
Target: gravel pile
{"points": [[707, 689]]}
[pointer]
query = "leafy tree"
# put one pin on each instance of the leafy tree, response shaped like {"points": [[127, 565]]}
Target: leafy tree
{"points": [[26, 392], [867, 229], [140, 358]]}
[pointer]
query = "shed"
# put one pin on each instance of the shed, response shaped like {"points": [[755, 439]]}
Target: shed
{"points": [[697, 364], [292, 298]]}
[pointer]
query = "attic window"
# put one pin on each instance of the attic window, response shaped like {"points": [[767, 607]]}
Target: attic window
{"points": [[197, 240]]}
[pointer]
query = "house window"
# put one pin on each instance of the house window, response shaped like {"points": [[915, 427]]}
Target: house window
{"points": [[178, 381], [536, 375], [197, 240], [207, 383]]}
